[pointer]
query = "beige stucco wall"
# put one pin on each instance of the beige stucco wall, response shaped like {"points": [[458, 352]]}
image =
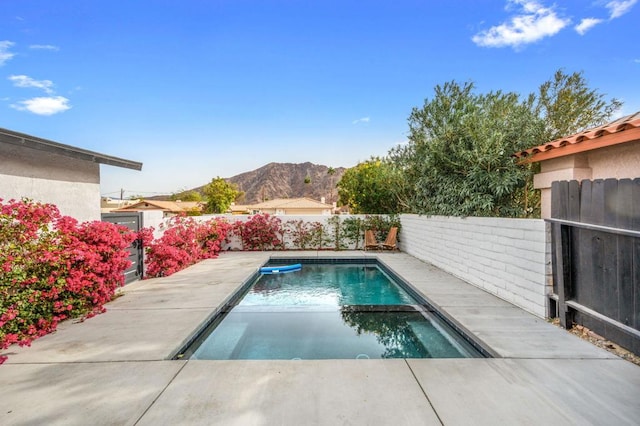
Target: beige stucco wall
{"points": [[618, 162], [72, 185], [615, 162]]}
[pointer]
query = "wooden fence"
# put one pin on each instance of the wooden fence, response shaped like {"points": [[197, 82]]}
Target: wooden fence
{"points": [[596, 257]]}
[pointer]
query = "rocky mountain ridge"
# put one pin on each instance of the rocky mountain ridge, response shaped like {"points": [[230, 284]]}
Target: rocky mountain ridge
{"points": [[287, 180]]}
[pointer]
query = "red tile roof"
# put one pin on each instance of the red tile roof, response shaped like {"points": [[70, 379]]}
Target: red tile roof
{"points": [[167, 206], [622, 130]]}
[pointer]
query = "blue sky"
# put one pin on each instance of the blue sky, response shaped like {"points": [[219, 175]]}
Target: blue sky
{"points": [[196, 89]]}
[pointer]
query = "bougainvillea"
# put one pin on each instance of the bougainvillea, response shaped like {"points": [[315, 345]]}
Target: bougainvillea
{"points": [[52, 268], [185, 241], [260, 232]]}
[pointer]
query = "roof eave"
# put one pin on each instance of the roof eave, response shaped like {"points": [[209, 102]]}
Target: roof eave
{"points": [[629, 135], [24, 140]]}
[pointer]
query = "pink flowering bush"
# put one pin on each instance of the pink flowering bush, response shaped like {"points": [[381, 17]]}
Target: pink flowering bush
{"points": [[260, 232], [184, 243], [52, 268]]}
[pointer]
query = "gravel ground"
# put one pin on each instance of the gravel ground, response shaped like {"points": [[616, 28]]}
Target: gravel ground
{"points": [[601, 342]]}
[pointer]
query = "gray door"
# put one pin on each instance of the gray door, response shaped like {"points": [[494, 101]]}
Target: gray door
{"points": [[132, 221]]}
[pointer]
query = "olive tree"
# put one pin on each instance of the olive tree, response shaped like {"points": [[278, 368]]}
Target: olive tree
{"points": [[458, 160], [459, 153]]}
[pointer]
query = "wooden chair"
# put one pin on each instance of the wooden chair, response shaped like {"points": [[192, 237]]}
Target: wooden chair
{"points": [[391, 242], [370, 242]]}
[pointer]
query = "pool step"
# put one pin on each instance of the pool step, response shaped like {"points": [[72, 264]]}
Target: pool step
{"points": [[435, 343], [222, 342]]}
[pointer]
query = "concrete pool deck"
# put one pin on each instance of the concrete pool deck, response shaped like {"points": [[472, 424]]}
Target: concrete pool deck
{"points": [[114, 369]]}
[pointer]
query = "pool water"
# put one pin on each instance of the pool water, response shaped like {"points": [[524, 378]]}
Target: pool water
{"points": [[329, 311], [327, 285]]}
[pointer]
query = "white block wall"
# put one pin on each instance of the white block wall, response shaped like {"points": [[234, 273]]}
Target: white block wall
{"points": [[509, 258]]}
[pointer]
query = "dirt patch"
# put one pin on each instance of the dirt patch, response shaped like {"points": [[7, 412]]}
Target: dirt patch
{"points": [[595, 339]]}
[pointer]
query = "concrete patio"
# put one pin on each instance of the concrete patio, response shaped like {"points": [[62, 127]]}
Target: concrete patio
{"points": [[115, 369]]}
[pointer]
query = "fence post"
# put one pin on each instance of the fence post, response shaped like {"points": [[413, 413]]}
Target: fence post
{"points": [[562, 254]]}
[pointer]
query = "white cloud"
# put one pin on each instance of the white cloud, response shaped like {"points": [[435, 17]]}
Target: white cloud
{"points": [[5, 55], [44, 105], [44, 47], [25, 81], [619, 8], [361, 120], [533, 23], [586, 24]]}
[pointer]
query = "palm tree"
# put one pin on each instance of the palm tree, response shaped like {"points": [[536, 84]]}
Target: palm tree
{"points": [[331, 171], [307, 182]]}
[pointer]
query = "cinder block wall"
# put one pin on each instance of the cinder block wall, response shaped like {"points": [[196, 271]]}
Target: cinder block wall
{"points": [[509, 258]]}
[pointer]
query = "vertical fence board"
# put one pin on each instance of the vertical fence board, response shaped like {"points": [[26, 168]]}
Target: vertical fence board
{"points": [[584, 267], [635, 300], [573, 201], [635, 225], [610, 284], [574, 235], [559, 195], [623, 205]]}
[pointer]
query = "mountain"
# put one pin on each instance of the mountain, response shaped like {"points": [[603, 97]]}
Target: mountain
{"points": [[287, 180]]}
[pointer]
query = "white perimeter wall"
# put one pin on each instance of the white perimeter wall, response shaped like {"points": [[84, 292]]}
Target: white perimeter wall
{"points": [[236, 244], [509, 258]]}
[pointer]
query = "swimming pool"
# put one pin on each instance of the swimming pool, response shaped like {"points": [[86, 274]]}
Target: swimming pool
{"points": [[347, 310]]}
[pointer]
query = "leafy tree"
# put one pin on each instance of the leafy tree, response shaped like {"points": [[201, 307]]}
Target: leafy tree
{"points": [[568, 106], [458, 160], [220, 194], [459, 152], [369, 187], [187, 196]]}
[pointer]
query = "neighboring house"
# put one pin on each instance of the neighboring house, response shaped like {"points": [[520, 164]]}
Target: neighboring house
{"points": [[239, 209], [51, 172], [608, 151], [292, 206], [108, 204], [169, 208]]}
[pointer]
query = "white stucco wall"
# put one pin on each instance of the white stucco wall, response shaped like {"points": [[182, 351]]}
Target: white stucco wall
{"points": [[509, 258], [235, 243], [154, 219], [72, 185]]}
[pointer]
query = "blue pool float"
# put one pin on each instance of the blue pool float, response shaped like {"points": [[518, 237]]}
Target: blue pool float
{"points": [[280, 269]]}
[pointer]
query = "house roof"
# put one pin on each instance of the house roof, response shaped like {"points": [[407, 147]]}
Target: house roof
{"points": [[24, 140], [291, 203], [623, 130], [167, 206]]}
